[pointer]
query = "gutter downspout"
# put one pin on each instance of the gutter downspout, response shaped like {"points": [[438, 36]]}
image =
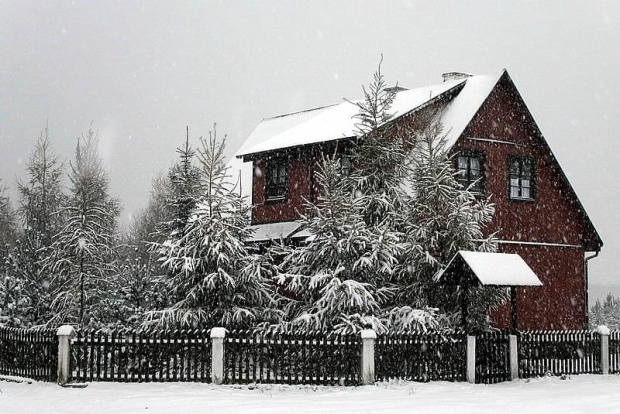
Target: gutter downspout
{"points": [[586, 275]]}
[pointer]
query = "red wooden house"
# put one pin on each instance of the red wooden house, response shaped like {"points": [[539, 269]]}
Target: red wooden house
{"points": [[492, 136]]}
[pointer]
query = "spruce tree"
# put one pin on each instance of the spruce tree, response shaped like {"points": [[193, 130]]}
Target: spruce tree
{"points": [[380, 156], [84, 259], [337, 280], [185, 182], [443, 218], [212, 278]]}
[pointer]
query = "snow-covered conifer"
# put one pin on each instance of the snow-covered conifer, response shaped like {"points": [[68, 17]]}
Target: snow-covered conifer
{"points": [[11, 287], [607, 313], [84, 258], [340, 280], [443, 218], [212, 277], [141, 285], [380, 156], [40, 200], [184, 179]]}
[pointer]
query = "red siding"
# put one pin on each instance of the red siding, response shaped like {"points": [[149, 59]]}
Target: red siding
{"points": [[553, 217], [560, 303]]}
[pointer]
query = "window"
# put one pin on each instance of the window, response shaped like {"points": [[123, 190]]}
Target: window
{"points": [[470, 171], [521, 178], [345, 164], [276, 185]]}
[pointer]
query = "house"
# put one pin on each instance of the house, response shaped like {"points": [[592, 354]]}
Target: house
{"points": [[492, 137]]}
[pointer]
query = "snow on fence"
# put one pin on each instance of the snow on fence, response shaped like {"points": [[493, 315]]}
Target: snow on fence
{"points": [[314, 358], [141, 356], [559, 352], [614, 352], [421, 356], [29, 353]]}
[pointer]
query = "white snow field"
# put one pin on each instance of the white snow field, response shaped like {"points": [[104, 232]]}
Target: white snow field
{"points": [[578, 394]]}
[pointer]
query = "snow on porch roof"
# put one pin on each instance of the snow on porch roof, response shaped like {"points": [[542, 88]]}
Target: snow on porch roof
{"points": [[494, 269], [335, 122], [275, 231]]}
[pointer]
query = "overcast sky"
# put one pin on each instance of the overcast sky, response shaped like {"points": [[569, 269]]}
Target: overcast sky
{"points": [[141, 71]]}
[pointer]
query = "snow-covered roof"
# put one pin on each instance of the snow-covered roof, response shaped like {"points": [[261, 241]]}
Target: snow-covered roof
{"points": [[336, 122], [274, 231], [494, 269], [462, 109]]}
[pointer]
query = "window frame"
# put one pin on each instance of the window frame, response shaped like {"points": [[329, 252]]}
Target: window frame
{"points": [[522, 175], [468, 181], [276, 192]]}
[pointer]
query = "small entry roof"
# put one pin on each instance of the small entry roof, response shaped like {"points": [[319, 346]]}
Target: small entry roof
{"points": [[490, 269], [276, 231]]}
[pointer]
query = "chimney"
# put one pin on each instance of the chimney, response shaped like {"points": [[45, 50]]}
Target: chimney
{"points": [[453, 76], [396, 89]]}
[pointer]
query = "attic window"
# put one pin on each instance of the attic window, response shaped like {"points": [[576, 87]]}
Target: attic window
{"points": [[276, 184], [521, 178], [470, 171]]}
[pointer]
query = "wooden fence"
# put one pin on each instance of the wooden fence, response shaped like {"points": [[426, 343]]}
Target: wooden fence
{"points": [[559, 352], [247, 357], [313, 358], [29, 353], [141, 356], [424, 356], [492, 363]]}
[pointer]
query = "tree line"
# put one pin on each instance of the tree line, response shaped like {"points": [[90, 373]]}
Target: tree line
{"points": [[379, 233]]}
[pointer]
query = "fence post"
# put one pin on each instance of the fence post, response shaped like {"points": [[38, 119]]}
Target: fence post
{"points": [[514, 357], [217, 355], [471, 359], [368, 356], [64, 333], [604, 332]]}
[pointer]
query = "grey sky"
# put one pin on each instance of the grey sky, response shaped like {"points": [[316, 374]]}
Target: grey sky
{"points": [[143, 70]]}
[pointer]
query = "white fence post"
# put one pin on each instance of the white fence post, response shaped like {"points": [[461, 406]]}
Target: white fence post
{"points": [[514, 357], [368, 356], [217, 355], [471, 359], [604, 332], [64, 333]]}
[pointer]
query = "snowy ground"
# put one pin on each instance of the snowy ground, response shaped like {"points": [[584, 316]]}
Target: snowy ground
{"points": [[579, 394]]}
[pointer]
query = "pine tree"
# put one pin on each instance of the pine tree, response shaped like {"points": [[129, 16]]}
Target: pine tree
{"points": [[83, 262], [40, 200], [212, 277], [443, 218]]}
